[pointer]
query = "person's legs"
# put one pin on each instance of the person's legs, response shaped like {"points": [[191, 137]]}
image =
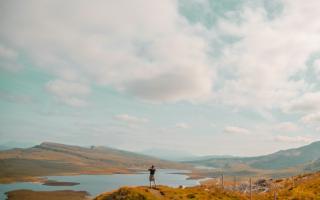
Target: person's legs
{"points": [[154, 181], [151, 179]]}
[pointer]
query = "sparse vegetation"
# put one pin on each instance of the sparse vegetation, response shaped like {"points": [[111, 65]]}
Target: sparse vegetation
{"points": [[163, 193], [277, 165], [279, 160], [51, 159], [302, 187], [58, 159]]}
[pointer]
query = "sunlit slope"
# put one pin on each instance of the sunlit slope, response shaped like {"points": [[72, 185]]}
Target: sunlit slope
{"points": [[163, 193], [299, 187], [298, 157], [302, 187], [54, 159]]}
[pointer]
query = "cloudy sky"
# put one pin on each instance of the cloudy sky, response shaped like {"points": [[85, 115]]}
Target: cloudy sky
{"points": [[238, 77]]}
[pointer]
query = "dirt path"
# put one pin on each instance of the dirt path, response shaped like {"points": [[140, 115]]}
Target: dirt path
{"points": [[156, 193]]}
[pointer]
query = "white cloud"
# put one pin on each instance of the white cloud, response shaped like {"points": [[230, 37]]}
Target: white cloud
{"points": [[130, 119], [162, 57], [154, 53], [7, 53], [317, 67], [293, 139], [68, 74], [182, 125], [8, 58], [70, 93], [150, 51], [171, 86], [308, 102], [269, 53], [313, 118], [15, 97], [287, 127], [236, 130]]}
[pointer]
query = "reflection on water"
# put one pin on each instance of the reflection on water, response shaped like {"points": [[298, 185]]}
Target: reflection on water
{"points": [[96, 184]]}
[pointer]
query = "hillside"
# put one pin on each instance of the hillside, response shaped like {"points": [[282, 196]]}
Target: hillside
{"points": [[166, 193], [57, 159], [292, 158], [305, 186], [313, 166]]}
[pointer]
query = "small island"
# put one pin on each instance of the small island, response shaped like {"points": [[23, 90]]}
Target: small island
{"points": [[59, 183], [48, 195]]}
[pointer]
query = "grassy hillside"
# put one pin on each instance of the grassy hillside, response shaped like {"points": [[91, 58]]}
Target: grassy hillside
{"points": [[299, 187], [298, 157], [287, 158], [313, 166], [305, 186], [57, 159], [163, 193]]}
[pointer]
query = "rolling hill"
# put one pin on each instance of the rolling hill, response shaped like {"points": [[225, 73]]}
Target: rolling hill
{"points": [[57, 159], [167, 193], [302, 158], [313, 166], [304, 186]]}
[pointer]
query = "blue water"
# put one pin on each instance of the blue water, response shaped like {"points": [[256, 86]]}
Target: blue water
{"points": [[96, 184]]}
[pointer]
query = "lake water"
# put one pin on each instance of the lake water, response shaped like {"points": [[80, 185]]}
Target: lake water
{"points": [[96, 184]]}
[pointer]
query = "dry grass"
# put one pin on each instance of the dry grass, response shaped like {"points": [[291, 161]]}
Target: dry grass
{"points": [[164, 193], [302, 187], [57, 159], [305, 187]]}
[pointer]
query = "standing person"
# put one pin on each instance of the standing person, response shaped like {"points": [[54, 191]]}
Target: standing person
{"points": [[152, 171]]}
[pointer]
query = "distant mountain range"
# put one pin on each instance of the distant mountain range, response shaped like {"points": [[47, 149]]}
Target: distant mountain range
{"points": [[305, 157], [56, 159]]}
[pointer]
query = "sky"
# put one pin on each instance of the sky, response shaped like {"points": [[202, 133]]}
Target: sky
{"points": [[232, 77]]}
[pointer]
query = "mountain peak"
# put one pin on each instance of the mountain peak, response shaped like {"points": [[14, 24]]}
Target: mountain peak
{"points": [[48, 143], [55, 144]]}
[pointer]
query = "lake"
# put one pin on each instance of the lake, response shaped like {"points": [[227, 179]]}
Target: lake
{"points": [[96, 184]]}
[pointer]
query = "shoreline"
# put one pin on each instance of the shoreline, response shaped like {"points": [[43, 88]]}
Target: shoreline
{"points": [[43, 179], [55, 182]]}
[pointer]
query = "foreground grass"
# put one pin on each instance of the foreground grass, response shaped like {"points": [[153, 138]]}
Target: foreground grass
{"points": [[164, 192], [302, 187]]}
